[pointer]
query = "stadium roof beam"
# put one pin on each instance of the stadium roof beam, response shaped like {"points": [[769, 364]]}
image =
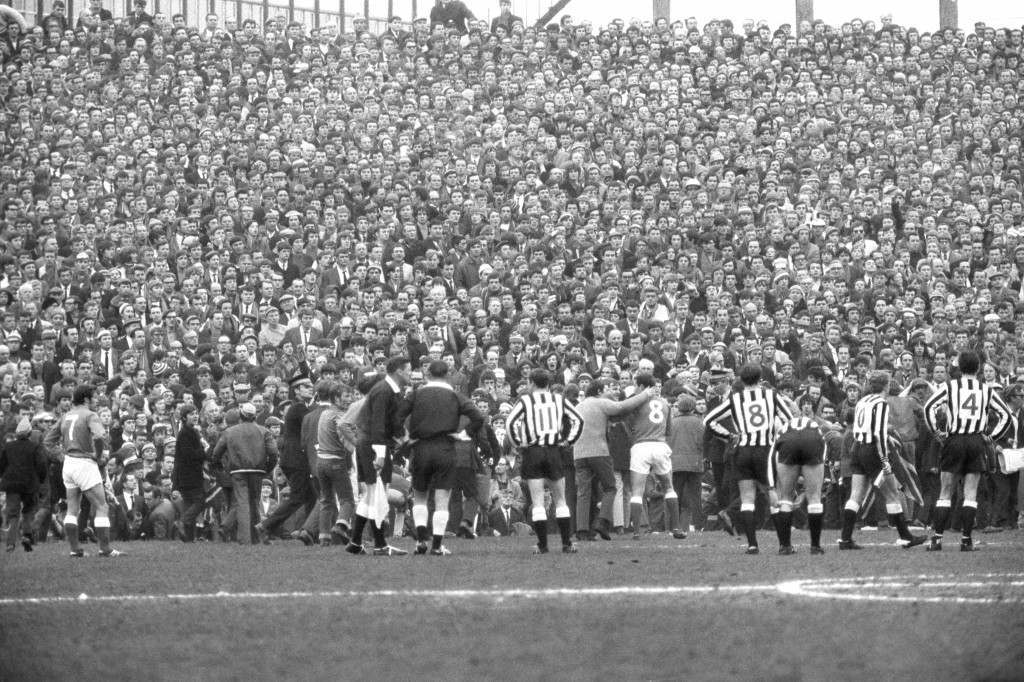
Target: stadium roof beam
{"points": [[948, 17], [661, 10], [555, 8]]}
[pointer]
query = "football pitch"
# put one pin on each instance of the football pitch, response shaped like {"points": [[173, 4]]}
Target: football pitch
{"points": [[652, 609]]}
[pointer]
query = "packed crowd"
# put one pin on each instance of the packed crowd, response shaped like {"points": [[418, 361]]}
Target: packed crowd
{"points": [[196, 219]]}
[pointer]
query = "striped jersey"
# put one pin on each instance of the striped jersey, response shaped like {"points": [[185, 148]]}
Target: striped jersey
{"points": [[543, 418], [967, 402], [801, 423], [650, 422], [871, 422], [755, 411]]}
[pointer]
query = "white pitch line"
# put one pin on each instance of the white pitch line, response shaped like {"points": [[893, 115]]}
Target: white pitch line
{"points": [[420, 594], [828, 588]]}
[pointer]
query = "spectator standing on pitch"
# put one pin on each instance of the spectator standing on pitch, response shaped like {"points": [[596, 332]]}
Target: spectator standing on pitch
{"points": [[301, 494], [539, 422], [334, 464], [686, 440], [248, 452], [967, 402], [187, 476], [434, 415], [22, 470]]}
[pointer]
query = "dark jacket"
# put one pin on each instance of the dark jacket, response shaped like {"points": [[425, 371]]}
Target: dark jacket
{"points": [[293, 457], [22, 466], [247, 447], [188, 467]]}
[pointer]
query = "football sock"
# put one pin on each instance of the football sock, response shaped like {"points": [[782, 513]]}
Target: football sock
{"points": [[784, 524], [747, 522], [378, 535], [540, 526], [102, 525], [896, 520], [672, 507], [71, 533], [967, 513], [357, 530], [564, 518], [941, 520], [440, 524], [419, 519], [849, 520], [636, 510], [815, 516]]}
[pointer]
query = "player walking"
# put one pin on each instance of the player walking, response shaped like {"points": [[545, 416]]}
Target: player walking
{"points": [[650, 453], [756, 412], [539, 422], [80, 434], [871, 456], [967, 402]]}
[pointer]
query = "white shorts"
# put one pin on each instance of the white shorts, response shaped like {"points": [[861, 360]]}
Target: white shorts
{"points": [[651, 458], [81, 473]]}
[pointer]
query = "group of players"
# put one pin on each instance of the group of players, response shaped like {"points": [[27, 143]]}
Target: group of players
{"points": [[774, 448]]}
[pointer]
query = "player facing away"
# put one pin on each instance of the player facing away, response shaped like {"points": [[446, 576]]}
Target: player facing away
{"points": [[539, 423], [756, 412], [799, 450], [80, 435], [650, 454], [871, 457], [967, 402]]}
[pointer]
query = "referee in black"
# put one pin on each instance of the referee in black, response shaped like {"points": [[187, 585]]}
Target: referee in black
{"points": [[967, 402], [434, 414], [539, 422]]}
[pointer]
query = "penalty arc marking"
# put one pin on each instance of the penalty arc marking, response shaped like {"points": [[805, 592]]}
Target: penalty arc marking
{"points": [[985, 588]]}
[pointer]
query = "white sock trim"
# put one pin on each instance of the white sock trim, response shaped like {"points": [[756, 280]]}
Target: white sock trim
{"points": [[538, 514], [816, 509], [785, 506], [440, 522], [562, 512], [852, 506], [970, 503], [671, 495], [636, 500], [420, 515], [101, 522], [944, 503], [747, 507]]}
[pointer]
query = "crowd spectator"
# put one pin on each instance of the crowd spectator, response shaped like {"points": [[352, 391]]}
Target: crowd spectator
{"points": [[192, 216]]}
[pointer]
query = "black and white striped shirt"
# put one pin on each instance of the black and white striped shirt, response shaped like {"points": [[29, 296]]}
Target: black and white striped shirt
{"points": [[871, 423], [967, 402], [543, 418], [755, 413]]}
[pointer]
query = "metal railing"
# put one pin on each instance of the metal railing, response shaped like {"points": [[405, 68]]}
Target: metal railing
{"points": [[311, 13]]}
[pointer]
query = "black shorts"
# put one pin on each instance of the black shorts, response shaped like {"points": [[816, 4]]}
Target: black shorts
{"points": [[865, 461], [805, 447], [365, 471], [752, 464], [433, 464], [964, 454], [543, 461]]}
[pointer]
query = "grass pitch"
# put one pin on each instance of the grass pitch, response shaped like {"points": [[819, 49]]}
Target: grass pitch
{"points": [[653, 609]]}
